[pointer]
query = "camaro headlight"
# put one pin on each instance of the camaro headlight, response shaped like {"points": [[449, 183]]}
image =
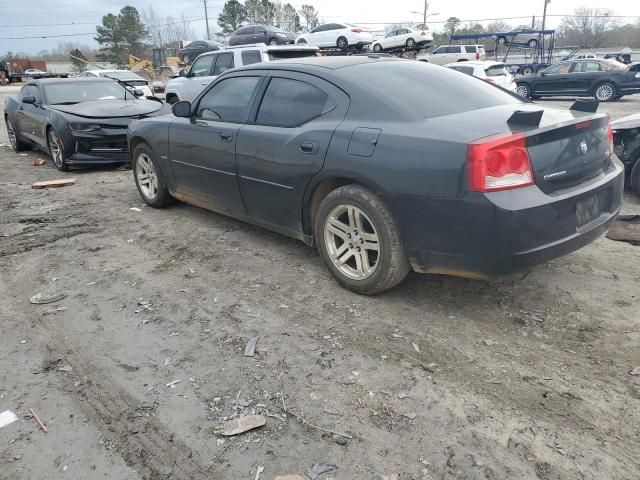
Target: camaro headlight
{"points": [[84, 127]]}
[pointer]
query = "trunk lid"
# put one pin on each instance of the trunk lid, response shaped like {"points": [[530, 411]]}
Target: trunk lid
{"points": [[555, 146]]}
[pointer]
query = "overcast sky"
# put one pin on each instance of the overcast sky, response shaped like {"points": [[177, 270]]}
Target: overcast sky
{"points": [[87, 13]]}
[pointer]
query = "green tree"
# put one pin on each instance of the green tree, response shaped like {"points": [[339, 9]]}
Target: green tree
{"points": [[290, 18], [77, 57], [120, 35], [232, 16], [590, 27], [310, 15], [260, 11], [451, 26]]}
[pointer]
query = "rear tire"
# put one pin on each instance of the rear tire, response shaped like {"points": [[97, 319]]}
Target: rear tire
{"points": [[342, 42], [528, 71], [502, 40], [301, 41], [149, 179], [411, 43], [634, 178], [17, 144], [377, 48], [272, 42], [523, 90], [359, 241], [532, 43]]}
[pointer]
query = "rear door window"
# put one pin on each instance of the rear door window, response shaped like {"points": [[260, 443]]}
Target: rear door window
{"points": [[223, 63], [588, 67], [558, 69], [291, 103], [470, 49], [228, 100], [496, 71], [467, 70], [251, 56]]}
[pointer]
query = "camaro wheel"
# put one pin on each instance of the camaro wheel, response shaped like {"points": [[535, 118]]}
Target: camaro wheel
{"points": [[151, 185], [377, 48], [17, 144], [359, 241], [605, 92], [342, 42], [56, 149], [411, 43], [523, 90]]}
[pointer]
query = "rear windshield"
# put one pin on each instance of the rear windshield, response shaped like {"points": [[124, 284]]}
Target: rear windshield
{"points": [[470, 49], [283, 54], [496, 71], [443, 91]]}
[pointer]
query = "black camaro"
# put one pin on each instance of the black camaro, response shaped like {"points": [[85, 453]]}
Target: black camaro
{"points": [[460, 178], [605, 80], [80, 122]]}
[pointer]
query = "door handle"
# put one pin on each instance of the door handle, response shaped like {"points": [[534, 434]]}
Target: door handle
{"points": [[204, 84], [309, 148], [21, 108], [225, 136]]}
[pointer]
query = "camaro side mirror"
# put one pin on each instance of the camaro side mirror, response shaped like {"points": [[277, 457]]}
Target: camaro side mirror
{"points": [[182, 109], [30, 99]]}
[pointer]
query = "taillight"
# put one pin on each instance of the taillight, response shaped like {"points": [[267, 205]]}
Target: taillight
{"points": [[423, 34], [356, 30], [489, 80], [610, 139], [477, 55], [499, 163]]}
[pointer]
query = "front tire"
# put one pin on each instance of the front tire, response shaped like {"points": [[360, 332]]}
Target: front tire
{"points": [[605, 92], [342, 42], [17, 144], [56, 150], [377, 48], [272, 42], [151, 184], [301, 41], [502, 40], [528, 71], [359, 241], [532, 43], [523, 90], [411, 43]]}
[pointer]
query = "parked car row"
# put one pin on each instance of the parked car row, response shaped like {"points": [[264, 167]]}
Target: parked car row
{"points": [[379, 179]]}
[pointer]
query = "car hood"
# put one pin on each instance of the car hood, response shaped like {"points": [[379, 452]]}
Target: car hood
{"points": [[110, 108], [632, 121]]}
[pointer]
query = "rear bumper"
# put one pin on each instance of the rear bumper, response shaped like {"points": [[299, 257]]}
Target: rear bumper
{"points": [[503, 233]]}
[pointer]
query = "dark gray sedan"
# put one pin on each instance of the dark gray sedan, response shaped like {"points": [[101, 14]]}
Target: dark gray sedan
{"points": [[386, 165]]}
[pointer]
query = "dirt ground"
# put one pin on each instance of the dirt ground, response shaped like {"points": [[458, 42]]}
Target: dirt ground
{"points": [[439, 378]]}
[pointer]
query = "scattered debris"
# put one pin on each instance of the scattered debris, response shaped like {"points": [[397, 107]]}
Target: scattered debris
{"points": [[626, 228], [258, 472], [136, 209], [219, 455], [489, 342], [415, 347], [38, 162], [340, 440], [7, 417], [556, 446], [144, 306], [173, 384], [635, 371], [318, 469], [22, 342], [44, 298], [397, 335], [90, 284], [65, 368], [63, 182], [402, 395], [289, 477], [250, 347], [410, 416], [38, 421], [392, 476], [242, 424], [167, 361]]}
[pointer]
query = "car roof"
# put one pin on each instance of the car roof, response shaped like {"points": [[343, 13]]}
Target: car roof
{"points": [[479, 63], [49, 81], [261, 46], [313, 63]]}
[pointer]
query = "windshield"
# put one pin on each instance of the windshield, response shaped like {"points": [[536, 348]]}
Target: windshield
{"points": [[75, 92], [274, 29], [122, 75]]}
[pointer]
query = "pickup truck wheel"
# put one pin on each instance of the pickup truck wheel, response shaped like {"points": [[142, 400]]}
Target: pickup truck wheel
{"points": [[17, 144], [605, 92], [634, 178], [149, 179], [56, 150], [359, 241]]}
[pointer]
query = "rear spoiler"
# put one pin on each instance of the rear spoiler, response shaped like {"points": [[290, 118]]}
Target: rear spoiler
{"points": [[589, 106], [527, 118]]}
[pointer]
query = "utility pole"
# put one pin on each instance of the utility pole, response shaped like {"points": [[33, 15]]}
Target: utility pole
{"points": [[426, 7], [206, 18], [533, 22], [544, 14]]}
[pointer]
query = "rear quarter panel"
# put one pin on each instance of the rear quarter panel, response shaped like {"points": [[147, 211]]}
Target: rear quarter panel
{"points": [[155, 133]]}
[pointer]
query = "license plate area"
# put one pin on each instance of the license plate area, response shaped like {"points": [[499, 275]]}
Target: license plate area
{"points": [[588, 209]]}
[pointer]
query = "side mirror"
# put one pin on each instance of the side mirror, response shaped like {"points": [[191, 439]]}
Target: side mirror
{"points": [[542, 74], [138, 93], [182, 72], [263, 32], [182, 109], [29, 99]]}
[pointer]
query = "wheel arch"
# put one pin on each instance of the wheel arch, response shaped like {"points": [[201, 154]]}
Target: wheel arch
{"points": [[322, 186]]}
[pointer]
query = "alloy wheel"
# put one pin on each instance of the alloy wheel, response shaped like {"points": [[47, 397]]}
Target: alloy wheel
{"points": [[352, 242], [522, 90], [12, 135], [273, 42], [342, 42], [146, 176], [56, 149], [377, 48], [411, 43], [604, 92]]}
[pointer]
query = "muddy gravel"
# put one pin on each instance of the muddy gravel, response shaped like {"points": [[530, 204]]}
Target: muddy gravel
{"points": [[136, 369]]}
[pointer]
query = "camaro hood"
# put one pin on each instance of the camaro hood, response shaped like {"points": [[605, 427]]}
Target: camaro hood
{"points": [[110, 108], [632, 121]]}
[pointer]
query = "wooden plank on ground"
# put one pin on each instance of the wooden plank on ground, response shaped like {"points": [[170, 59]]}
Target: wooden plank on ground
{"points": [[63, 182]]}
